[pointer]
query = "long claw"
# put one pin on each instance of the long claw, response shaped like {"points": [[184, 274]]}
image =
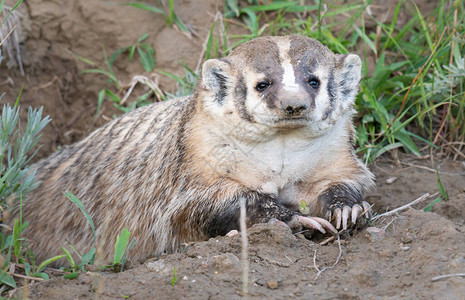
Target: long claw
{"points": [[325, 224], [329, 215], [338, 214], [356, 210], [232, 233], [309, 222], [345, 217], [367, 208]]}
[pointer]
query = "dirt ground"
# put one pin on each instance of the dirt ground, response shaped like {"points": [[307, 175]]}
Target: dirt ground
{"points": [[416, 246]]}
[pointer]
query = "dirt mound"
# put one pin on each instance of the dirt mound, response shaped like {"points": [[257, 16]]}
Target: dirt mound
{"points": [[402, 265]]}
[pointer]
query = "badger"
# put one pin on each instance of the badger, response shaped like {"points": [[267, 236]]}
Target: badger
{"points": [[270, 124]]}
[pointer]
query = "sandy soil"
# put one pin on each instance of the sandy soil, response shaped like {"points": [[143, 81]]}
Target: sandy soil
{"points": [[416, 246]]}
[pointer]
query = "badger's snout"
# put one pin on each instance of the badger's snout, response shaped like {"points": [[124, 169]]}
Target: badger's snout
{"points": [[293, 107]]}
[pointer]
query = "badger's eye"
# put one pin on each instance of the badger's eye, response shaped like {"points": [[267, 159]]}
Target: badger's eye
{"points": [[313, 82], [262, 85]]}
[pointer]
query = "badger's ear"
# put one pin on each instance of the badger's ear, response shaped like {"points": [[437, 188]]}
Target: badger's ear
{"points": [[348, 75], [216, 78]]}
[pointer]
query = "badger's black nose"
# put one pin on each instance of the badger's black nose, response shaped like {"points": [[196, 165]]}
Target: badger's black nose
{"points": [[293, 108]]}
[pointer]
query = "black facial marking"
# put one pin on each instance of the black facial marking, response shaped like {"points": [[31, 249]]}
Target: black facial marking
{"points": [[331, 89], [240, 96], [268, 64], [221, 94], [347, 84]]}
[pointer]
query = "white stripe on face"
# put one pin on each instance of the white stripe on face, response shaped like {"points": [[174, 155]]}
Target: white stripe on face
{"points": [[288, 82]]}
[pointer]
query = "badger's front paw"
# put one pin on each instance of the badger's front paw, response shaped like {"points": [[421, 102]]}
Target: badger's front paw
{"points": [[344, 206], [349, 215]]}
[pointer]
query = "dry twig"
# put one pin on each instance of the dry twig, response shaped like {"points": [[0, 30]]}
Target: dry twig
{"points": [[26, 277], [437, 278], [335, 263], [403, 207], [245, 246]]}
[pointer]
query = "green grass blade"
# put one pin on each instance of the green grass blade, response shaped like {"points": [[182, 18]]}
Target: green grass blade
{"points": [[142, 38], [121, 244], [269, 7], [19, 95], [147, 57], [127, 251], [71, 275], [16, 239], [366, 39], [7, 279], [171, 13], [402, 137], [442, 190], [232, 5], [146, 7], [117, 53], [69, 257], [11, 11], [429, 207], [101, 97], [209, 43], [49, 261], [79, 204]]}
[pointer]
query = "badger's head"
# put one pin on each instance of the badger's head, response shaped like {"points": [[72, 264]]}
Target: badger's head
{"points": [[281, 83]]}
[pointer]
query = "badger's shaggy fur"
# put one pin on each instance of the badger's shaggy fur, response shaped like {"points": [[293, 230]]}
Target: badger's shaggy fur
{"points": [[271, 122]]}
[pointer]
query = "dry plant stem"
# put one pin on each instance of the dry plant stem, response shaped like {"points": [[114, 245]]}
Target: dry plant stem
{"points": [[437, 278], [430, 169], [327, 240], [335, 263], [245, 246], [151, 83], [11, 31], [26, 277], [411, 85], [388, 224], [418, 200]]}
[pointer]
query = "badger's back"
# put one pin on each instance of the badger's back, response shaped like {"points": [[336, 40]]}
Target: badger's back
{"points": [[123, 173]]}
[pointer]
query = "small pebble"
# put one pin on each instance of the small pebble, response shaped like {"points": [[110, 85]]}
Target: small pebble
{"points": [[375, 234], [407, 238], [227, 261], [458, 261], [386, 253], [157, 266], [272, 284], [185, 278], [403, 247], [391, 180]]}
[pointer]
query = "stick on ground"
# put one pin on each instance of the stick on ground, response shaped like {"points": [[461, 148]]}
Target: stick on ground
{"points": [[418, 200]]}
